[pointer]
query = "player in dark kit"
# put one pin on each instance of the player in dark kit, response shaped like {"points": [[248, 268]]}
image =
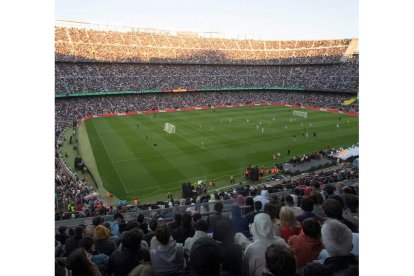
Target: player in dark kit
{"points": [[289, 152], [314, 134]]}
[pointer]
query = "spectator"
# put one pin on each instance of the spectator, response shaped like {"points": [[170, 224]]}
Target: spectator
{"points": [[279, 261], [273, 211], [129, 255], [333, 210], [263, 197], [289, 226], [307, 207], [102, 242], [201, 229], [168, 257], [211, 219], [239, 223], [142, 224], [62, 235], [317, 200], [73, 242], [90, 228], [337, 240], [80, 265], [263, 237], [231, 253], [116, 227], [144, 269], [205, 258], [100, 260], [250, 216], [288, 201], [188, 228], [307, 246], [153, 227]]}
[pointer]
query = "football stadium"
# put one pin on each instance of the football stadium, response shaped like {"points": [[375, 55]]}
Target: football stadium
{"points": [[185, 153]]}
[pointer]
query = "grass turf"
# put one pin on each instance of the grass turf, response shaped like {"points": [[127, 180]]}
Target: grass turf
{"points": [[208, 145]]}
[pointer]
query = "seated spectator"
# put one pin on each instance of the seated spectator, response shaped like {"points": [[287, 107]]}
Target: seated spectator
{"points": [[80, 264], [263, 197], [100, 260], [351, 200], [116, 228], [273, 211], [142, 224], [153, 227], [211, 219], [73, 242], [263, 237], [239, 223], [337, 240], [288, 201], [188, 228], [176, 229], [279, 261], [205, 258], [62, 235], [168, 257], [317, 200], [307, 207], [201, 228], [123, 260], [231, 253], [306, 246], [144, 269], [250, 216], [333, 210], [102, 242], [289, 226], [90, 228]]}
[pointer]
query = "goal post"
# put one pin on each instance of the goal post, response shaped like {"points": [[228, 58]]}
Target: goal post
{"points": [[302, 114], [169, 128]]}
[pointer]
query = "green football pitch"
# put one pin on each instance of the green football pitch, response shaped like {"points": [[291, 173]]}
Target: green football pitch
{"points": [[208, 145]]}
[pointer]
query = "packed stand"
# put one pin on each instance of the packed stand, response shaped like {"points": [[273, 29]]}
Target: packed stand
{"points": [[78, 44], [83, 78], [291, 233]]}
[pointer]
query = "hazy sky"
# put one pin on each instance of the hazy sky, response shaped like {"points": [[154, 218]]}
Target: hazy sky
{"points": [[266, 19]]}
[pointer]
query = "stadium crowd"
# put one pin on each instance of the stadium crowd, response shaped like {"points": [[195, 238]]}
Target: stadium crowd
{"points": [[79, 44], [83, 78], [312, 230]]}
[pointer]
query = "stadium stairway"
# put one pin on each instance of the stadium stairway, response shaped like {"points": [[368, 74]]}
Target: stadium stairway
{"points": [[349, 101], [352, 48]]}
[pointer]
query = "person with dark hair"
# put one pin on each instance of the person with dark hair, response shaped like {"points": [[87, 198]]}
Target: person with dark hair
{"points": [[130, 254], [62, 236], [116, 227], [337, 240], [273, 211], [307, 246], [279, 261], [99, 259], [142, 224], [250, 203], [168, 257], [329, 190], [289, 202], [231, 253], [257, 207], [196, 216], [188, 228], [73, 242], [317, 200], [153, 227], [131, 225], [80, 265], [201, 229], [333, 209], [144, 269], [211, 219], [307, 207], [205, 258], [239, 222], [102, 242], [176, 229], [90, 228]]}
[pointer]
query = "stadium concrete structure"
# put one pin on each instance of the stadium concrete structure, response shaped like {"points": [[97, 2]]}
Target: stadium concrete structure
{"points": [[106, 70]]}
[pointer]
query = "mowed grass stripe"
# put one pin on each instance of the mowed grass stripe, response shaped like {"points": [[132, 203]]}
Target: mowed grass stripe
{"points": [[228, 147]]}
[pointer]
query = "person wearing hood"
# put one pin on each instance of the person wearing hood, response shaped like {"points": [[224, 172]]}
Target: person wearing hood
{"points": [[239, 222], [263, 237], [263, 197], [168, 257]]}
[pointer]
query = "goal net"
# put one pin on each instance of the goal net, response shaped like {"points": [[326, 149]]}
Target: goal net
{"points": [[169, 128], [300, 114]]}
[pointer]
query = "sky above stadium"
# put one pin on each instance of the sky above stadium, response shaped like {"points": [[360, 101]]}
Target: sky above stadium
{"points": [[260, 19]]}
